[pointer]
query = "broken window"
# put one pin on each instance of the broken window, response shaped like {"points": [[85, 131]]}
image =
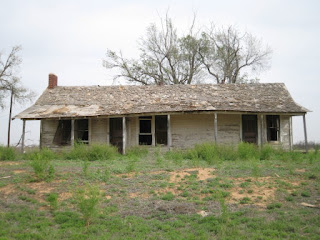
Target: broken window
{"points": [[81, 131], [273, 127], [63, 133], [145, 133], [161, 129]]}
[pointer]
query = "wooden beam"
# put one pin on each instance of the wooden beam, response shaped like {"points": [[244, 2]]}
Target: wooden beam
{"points": [[305, 132], [124, 130], [215, 127], [23, 135], [290, 134], [72, 132], [169, 131], [261, 130], [153, 130]]}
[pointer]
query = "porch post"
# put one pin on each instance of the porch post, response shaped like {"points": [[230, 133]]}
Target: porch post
{"points": [[261, 130], [124, 130], [215, 127], [23, 134], [291, 136], [153, 130], [72, 132], [169, 131], [305, 132]]}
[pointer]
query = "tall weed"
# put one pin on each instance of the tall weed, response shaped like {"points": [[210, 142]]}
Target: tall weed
{"points": [[87, 200], [248, 151], [7, 154]]}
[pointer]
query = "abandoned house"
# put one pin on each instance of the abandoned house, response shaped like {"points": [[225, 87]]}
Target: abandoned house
{"points": [[176, 116]]}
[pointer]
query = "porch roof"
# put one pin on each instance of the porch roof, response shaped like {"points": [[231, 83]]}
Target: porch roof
{"points": [[95, 101]]}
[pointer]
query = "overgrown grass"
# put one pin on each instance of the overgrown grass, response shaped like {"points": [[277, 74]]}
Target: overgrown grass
{"points": [[8, 154]]}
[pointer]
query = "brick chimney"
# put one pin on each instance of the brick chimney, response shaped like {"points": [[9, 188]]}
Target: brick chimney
{"points": [[53, 81]]}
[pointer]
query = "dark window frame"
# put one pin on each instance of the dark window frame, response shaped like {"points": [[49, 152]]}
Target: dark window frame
{"points": [[145, 137], [273, 128]]}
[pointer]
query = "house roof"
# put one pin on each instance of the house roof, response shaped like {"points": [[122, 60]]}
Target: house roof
{"points": [[90, 101]]}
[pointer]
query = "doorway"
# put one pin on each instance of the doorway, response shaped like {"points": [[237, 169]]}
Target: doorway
{"points": [[116, 133], [249, 128]]}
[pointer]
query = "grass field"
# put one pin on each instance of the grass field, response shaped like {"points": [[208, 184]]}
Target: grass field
{"points": [[209, 192]]}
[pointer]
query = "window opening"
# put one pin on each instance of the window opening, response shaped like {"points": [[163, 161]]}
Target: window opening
{"points": [[273, 127], [161, 129], [145, 134], [62, 136], [81, 131]]}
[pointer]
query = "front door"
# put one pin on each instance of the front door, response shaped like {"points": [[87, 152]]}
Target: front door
{"points": [[249, 128], [116, 133]]}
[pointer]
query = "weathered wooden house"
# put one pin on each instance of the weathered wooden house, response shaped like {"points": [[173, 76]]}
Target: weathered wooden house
{"points": [[177, 116]]}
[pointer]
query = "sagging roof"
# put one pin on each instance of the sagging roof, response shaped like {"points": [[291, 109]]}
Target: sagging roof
{"points": [[90, 101]]}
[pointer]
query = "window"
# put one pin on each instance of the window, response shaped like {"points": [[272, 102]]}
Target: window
{"points": [[161, 129], [81, 131], [62, 136], [145, 133], [273, 126]]}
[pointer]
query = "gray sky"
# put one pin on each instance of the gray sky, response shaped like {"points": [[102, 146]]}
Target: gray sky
{"points": [[70, 39]]}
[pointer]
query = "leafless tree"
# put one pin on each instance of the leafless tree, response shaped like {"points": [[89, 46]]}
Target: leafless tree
{"points": [[228, 55], [8, 69], [10, 84], [165, 58]]}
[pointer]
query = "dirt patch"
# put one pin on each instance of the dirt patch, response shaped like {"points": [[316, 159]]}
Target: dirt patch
{"points": [[8, 189], [64, 196], [9, 163], [138, 195], [302, 170], [19, 171], [127, 175], [202, 174]]}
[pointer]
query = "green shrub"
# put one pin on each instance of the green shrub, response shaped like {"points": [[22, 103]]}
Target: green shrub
{"points": [[43, 154], [52, 199], [137, 152], [169, 196], [87, 200], [7, 154], [42, 168], [227, 152], [207, 152], [274, 205], [267, 152], [92, 152], [248, 151]]}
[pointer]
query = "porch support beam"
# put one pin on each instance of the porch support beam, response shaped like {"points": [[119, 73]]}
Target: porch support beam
{"points": [[124, 135], [215, 127], [261, 130], [153, 130], [23, 135], [169, 131], [72, 132], [305, 132]]}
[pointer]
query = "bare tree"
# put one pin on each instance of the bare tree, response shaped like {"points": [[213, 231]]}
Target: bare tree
{"points": [[10, 84], [227, 55], [9, 68], [165, 58]]}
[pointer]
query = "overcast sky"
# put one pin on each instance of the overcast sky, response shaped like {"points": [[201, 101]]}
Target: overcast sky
{"points": [[70, 39]]}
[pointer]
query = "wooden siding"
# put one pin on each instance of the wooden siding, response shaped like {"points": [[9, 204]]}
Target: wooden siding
{"points": [[188, 130], [285, 132], [229, 128], [99, 130], [49, 128]]}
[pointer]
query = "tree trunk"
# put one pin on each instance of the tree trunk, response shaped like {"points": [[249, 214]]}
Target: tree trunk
{"points": [[10, 113]]}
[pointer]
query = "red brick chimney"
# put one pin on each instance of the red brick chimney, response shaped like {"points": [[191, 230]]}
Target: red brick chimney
{"points": [[53, 81]]}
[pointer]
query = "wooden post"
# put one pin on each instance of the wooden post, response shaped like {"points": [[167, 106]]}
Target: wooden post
{"points": [[153, 130], [169, 131], [23, 135], [124, 130], [305, 132], [261, 130], [290, 133], [72, 132], [10, 114], [41, 130], [215, 127]]}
